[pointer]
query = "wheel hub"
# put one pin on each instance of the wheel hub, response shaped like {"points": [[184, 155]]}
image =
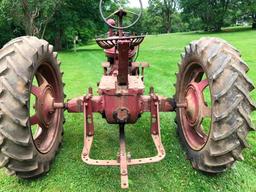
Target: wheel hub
{"points": [[195, 110], [45, 105], [193, 98]]}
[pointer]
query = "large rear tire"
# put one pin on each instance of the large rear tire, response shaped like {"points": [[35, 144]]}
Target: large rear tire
{"points": [[225, 72], [23, 60]]}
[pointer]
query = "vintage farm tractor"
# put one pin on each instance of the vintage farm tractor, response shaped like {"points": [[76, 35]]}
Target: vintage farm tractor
{"points": [[29, 67]]}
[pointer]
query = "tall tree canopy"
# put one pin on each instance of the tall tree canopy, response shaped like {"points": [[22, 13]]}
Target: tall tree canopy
{"points": [[61, 21], [162, 11], [74, 19], [211, 12], [32, 16], [249, 8], [58, 21]]}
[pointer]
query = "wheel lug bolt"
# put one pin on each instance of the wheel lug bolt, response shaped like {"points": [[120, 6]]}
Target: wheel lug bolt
{"points": [[51, 112]]}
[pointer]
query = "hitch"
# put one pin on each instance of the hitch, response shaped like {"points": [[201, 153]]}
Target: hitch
{"points": [[124, 159]]}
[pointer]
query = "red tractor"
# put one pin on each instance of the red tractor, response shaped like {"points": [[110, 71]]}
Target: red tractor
{"points": [[28, 66]]}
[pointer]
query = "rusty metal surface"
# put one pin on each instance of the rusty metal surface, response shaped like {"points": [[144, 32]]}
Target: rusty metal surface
{"points": [[108, 43], [194, 108], [121, 103], [155, 119], [123, 50], [140, 161], [48, 106], [109, 83], [121, 100], [124, 160]]}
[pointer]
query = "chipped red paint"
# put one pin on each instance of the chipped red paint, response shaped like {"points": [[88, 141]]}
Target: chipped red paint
{"points": [[195, 110], [121, 100], [48, 107]]}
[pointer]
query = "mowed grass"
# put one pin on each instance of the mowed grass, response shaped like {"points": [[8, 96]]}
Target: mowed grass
{"points": [[174, 173]]}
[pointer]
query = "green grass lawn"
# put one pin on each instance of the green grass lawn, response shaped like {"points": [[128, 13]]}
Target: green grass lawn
{"points": [[174, 173]]}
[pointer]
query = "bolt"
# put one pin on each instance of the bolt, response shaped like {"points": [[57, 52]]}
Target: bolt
{"points": [[129, 156], [51, 112], [154, 119]]}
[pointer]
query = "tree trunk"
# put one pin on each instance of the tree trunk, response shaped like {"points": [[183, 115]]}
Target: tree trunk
{"points": [[27, 18], [44, 29], [217, 28], [168, 21], [58, 41], [167, 28], [254, 25], [168, 10], [254, 21]]}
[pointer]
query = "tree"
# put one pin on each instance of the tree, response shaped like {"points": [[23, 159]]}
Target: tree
{"points": [[57, 21], [164, 9], [8, 30], [71, 19], [211, 12], [249, 9], [169, 7], [31, 15]]}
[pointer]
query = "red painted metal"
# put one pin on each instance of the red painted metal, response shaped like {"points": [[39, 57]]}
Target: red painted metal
{"points": [[116, 98], [48, 107], [123, 50], [111, 22], [88, 114], [122, 101], [124, 160], [195, 109]]}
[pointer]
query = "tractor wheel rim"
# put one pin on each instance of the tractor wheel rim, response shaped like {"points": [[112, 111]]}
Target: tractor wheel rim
{"points": [[46, 118], [196, 109]]}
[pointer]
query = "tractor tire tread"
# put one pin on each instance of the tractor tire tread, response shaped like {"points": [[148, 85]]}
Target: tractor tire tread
{"points": [[231, 104], [18, 153]]}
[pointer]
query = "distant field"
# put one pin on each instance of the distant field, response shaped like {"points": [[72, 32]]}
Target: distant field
{"points": [[174, 173]]}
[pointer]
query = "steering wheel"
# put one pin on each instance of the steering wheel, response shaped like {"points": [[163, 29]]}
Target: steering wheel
{"points": [[121, 9]]}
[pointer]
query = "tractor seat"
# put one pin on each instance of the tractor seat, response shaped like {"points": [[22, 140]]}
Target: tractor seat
{"points": [[110, 42]]}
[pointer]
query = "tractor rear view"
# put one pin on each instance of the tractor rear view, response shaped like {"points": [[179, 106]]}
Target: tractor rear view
{"points": [[212, 102]]}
